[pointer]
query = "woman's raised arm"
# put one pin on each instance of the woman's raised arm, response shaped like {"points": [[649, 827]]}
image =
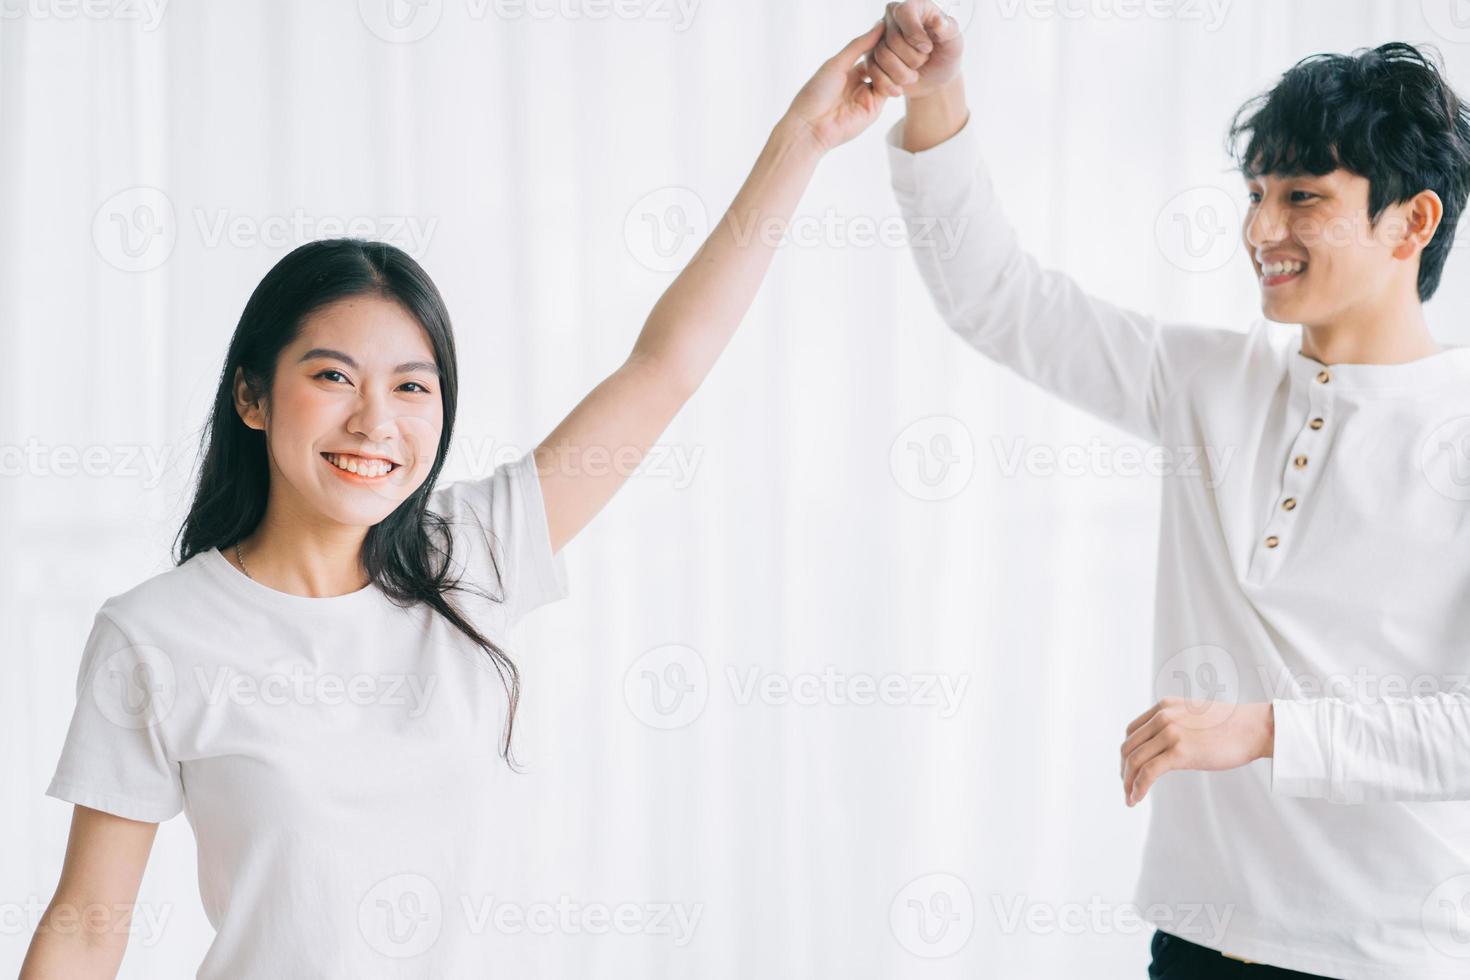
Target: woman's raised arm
{"points": [[696, 316]]}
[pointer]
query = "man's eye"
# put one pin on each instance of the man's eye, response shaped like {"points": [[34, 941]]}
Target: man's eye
{"points": [[1302, 195], [323, 374]]}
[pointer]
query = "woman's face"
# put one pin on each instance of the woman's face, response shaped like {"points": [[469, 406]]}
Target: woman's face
{"points": [[357, 390]]}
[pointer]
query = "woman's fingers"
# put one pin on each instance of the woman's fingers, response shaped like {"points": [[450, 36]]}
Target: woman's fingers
{"points": [[857, 47], [882, 83]]}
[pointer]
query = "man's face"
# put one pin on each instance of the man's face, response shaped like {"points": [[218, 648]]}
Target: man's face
{"points": [[1318, 226]]}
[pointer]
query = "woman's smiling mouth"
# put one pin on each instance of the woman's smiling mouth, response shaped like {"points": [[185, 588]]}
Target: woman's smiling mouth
{"points": [[354, 467]]}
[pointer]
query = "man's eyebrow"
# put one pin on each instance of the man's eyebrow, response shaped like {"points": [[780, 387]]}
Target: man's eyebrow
{"points": [[336, 355], [1281, 173]]}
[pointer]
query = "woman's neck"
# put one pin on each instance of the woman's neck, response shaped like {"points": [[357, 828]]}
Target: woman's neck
{"points": [[315, 562]]}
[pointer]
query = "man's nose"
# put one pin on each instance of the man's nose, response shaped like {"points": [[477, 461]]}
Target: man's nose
{"points": [[1265, 226]]}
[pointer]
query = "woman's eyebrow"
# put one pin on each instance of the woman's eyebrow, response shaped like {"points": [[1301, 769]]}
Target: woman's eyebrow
{"points": [[347, 359]]}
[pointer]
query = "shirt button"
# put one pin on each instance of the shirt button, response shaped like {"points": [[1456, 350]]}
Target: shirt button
{"points": [[1300, 462], [1323, 377], [1272, 541], [1289, 503], [1317, 423]]}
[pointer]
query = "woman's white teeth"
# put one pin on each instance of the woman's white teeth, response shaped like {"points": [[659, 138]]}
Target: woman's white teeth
{"points": [[1282, 268], [362, 467]]}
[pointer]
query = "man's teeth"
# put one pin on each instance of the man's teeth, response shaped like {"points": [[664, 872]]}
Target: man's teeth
{"points": [[362, 467], [1282, 268]]}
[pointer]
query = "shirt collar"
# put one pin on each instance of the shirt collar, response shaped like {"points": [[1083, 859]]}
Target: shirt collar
{"points": [[1450, 365]]}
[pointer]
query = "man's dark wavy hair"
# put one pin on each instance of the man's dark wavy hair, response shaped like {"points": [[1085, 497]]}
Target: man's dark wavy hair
{"points": [[1384, 113]]}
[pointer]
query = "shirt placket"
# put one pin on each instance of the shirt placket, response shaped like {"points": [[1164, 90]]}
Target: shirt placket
{"points": [[1303, 463]]}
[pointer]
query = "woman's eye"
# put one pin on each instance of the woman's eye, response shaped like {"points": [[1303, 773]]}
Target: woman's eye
{"points": [[331, 374]]}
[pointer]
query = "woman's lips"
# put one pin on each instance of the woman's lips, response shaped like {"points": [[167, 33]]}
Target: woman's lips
{"points": [[375, 477]]}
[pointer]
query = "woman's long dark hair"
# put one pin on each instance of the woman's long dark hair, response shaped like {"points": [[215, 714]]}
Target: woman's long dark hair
{"points": [[402, 553]]}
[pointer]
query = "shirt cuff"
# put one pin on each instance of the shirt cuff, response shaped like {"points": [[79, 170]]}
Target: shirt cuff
{"points": [[941, 164], [147, 811], [1300, 765]]}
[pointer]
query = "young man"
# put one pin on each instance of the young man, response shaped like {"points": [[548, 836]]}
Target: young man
{"points": [[1314, 594]]}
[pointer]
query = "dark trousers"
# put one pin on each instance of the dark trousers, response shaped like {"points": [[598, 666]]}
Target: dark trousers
{"points": [[1180, 959]]}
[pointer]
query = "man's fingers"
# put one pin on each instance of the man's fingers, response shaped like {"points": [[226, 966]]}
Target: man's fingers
{"points": [[907, 53], [1153, 709], [1139, 755], [1147, 776], [940, 27], [1138, 736], [909, 18], [1144, 766], [893, 66]]}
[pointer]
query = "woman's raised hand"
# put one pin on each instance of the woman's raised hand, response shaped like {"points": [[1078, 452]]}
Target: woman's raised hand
{"points": [[839, 102]]}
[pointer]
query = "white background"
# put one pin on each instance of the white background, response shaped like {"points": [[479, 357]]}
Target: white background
{"points": [[513, 149]]}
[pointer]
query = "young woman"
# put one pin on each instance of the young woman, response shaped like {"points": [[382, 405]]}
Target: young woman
{"points": [[322, 683]]}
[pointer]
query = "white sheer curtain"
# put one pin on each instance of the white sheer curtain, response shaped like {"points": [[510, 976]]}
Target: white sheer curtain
{"points": [[156, 163]]}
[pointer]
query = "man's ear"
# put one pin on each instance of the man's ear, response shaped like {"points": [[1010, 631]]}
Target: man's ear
{"points": [[248, 404], [1422, 216]]}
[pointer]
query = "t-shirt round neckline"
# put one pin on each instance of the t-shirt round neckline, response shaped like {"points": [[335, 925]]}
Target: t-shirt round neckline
{"points": [[237, 581]]}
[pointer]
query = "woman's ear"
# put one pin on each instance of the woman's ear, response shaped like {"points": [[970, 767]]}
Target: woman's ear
{"points": [[247, 403]]}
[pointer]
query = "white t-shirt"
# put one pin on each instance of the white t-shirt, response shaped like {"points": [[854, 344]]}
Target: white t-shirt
{"points": [[1314, 552], [336, 757]]}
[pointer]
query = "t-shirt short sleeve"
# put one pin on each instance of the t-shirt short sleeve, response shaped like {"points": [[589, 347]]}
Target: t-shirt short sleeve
{"points": [[114, 757], [506, 514]]}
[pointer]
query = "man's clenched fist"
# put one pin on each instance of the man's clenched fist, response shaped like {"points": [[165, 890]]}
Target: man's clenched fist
{"points": [[919, 52]]}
